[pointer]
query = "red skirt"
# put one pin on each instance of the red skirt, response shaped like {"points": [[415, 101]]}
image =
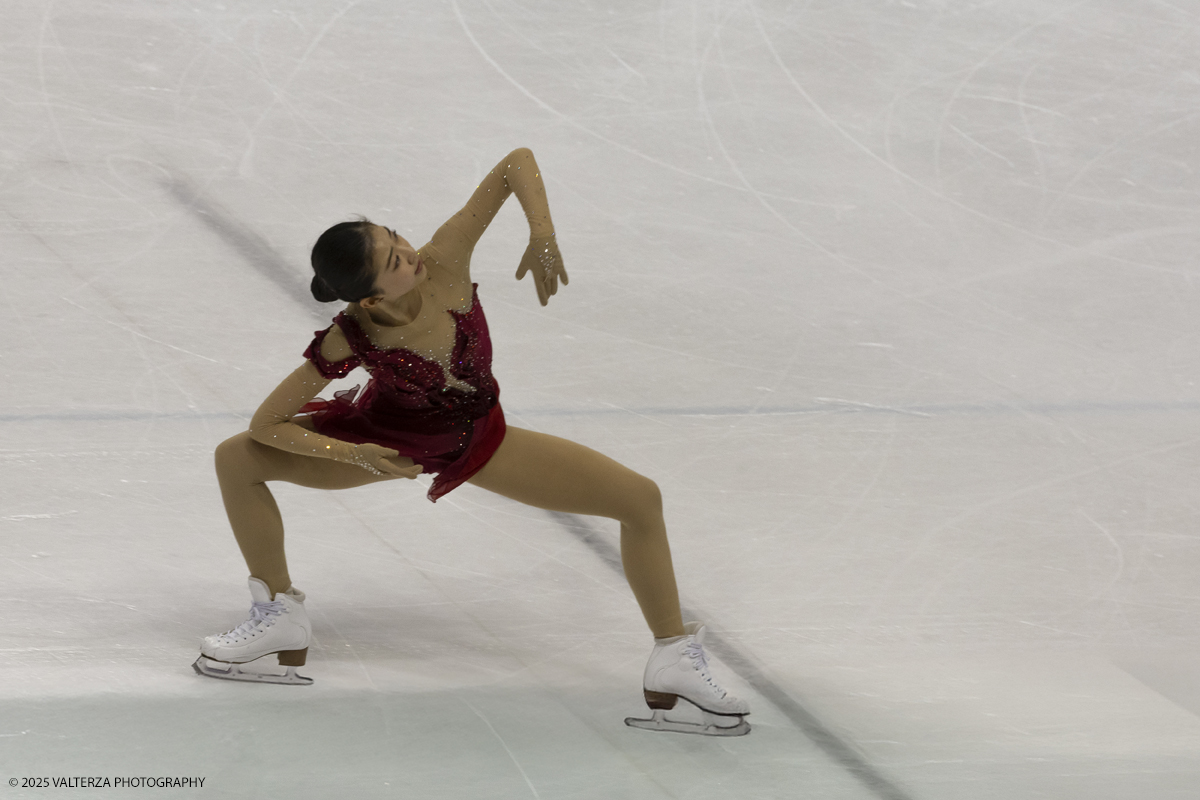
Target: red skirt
{"points": [[453, 457]]}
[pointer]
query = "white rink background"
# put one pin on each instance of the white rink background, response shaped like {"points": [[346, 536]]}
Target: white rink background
{"points": [[897, 302]]}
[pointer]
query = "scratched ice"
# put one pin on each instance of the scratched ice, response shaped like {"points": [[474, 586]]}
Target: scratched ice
{"points": [[895, 300]]}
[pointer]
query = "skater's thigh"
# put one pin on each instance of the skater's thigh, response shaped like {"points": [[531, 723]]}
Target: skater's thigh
{"points": [[561, 475], [242, 458]]}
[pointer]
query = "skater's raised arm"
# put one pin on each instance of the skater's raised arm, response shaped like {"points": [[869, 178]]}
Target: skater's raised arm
{"points": [[517, 173], [273, 423]]}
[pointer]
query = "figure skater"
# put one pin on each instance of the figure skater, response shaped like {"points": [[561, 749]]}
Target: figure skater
{"points": [[414, 322]]}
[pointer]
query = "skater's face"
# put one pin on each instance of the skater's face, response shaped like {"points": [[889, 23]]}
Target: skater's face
{"points": [[398, 267]]}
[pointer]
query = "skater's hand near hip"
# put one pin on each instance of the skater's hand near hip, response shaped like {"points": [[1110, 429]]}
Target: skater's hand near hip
{"points": [[385, 461], [403, 466], [545, 262]]}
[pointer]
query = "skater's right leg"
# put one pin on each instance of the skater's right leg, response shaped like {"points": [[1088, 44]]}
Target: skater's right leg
{"points": [[243, 468], [278, 622]]}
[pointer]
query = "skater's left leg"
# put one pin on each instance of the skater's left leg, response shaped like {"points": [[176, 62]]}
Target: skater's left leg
{"points": [[560, 475]]}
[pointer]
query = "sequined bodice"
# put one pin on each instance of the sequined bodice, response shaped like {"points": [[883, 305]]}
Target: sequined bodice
{"points": [[447, 375], [433, 333]]}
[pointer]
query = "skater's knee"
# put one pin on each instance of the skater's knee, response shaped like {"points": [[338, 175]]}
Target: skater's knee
{"points": [[232, 456], [652, 495], [644, 500]]}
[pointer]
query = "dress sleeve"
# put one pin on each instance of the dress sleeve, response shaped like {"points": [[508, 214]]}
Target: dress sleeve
{"points": [[329, 356], [517, 173], [330, 353]]}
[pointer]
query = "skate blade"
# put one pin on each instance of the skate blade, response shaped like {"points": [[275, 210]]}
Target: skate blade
{"points": [[237, 672], [659, 722]]}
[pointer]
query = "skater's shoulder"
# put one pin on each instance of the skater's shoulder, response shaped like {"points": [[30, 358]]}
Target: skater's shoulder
{"points": [[335, 346], [449, 251]]}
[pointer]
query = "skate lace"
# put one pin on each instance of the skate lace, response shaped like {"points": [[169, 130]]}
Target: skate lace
{"points": [[259, 613], [695, 651]]}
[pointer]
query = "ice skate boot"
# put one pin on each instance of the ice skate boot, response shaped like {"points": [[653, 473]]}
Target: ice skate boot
{"points": [[678, 669], [275, 626]]}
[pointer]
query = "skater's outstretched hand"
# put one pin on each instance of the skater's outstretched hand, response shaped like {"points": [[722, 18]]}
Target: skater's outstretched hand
{"points": [[385, 461], [545, 262]]}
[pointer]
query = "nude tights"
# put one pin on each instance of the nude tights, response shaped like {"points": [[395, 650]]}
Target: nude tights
{"points": [[533, 468]]}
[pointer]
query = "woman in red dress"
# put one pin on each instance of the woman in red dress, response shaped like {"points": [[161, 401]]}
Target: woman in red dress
{"points": [[413, 320]]}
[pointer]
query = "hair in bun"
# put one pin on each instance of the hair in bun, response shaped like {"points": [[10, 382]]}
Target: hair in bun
{"points": [[341, 261], [322, 290]]}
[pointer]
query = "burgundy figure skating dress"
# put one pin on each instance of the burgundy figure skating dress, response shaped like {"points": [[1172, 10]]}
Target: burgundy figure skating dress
{"points": [[447, 420]]}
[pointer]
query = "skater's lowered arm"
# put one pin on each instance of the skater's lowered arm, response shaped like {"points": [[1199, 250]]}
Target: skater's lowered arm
{"points": [[273, 423]]}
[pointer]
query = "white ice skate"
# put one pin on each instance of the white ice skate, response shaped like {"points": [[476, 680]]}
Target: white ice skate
{"points": [[678, 668], [275, 626]]}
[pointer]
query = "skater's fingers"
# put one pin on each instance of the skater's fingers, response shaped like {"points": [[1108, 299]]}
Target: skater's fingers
{"points": [[401, 468], [378, 451], [386, 467]]}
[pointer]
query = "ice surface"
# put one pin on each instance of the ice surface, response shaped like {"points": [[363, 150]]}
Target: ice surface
{"points": [[895, 300]]}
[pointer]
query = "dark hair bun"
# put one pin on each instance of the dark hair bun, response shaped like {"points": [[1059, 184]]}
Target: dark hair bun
{"points": [[322, 290], [341, 262]]}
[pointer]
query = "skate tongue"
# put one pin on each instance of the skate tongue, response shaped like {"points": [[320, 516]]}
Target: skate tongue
{"points": [[696, 629], [259, 592]]}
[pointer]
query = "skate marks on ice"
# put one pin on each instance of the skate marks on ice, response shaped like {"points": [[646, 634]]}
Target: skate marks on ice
{"points": [[842, 752], [745, 666], [243, 240]]}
